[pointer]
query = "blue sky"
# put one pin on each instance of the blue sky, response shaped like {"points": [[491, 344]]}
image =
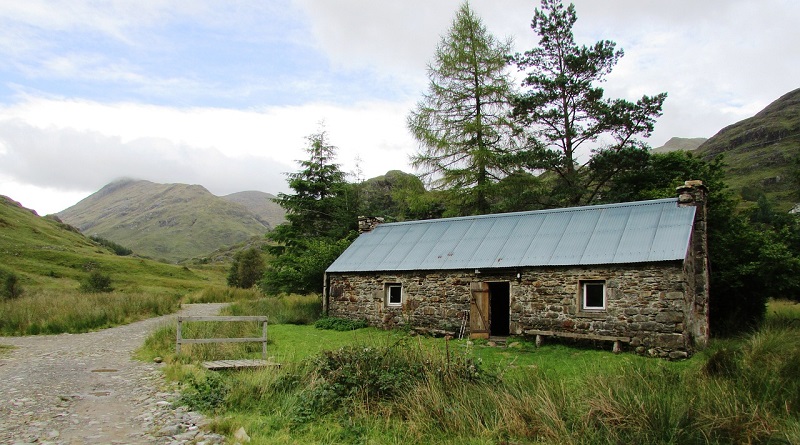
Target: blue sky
{"points": [[222, 92]]}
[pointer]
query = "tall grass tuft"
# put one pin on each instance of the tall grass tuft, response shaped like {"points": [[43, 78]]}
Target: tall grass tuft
{"points": [[51, 312], [217, 294], [282, 309]]}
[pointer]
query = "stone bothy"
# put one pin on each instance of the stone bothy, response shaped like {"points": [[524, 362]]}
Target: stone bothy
{"points": [[633, 273]]}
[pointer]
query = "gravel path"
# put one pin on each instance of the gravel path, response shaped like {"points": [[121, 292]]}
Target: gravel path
{"points": [[86, 389]]}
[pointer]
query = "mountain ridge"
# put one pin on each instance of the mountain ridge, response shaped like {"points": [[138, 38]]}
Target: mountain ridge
{"points": [[760, 150], [171, 222]]}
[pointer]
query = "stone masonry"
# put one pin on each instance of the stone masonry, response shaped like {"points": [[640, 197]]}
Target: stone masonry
{"points": [[645, 302], [659, 308]]}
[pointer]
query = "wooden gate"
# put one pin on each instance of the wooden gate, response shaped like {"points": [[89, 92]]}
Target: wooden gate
{"points": [[479, 310]]}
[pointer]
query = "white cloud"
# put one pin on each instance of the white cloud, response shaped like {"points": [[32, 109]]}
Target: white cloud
{"points": [[111, 80], [80, 145]]}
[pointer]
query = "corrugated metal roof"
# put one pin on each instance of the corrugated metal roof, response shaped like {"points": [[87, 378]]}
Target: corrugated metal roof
{"points": [[631, 232]]}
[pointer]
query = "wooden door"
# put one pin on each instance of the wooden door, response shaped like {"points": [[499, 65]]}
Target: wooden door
{"points": [[479, 310]]}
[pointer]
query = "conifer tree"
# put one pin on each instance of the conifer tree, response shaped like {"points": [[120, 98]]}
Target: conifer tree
{"points": [[566, 114], [462, 121]]}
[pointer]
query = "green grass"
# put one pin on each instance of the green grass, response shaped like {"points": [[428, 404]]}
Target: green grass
{"points": [[50, 312], [373, 386], [51, 260], [222, 294]]}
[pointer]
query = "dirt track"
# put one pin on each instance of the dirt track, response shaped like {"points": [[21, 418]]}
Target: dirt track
{"points": [[86, 388]]}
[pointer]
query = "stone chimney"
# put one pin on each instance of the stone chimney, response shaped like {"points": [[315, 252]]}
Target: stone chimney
{"points": [[368, 223], [694, 193]]}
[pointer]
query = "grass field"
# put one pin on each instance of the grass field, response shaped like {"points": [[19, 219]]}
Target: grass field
{"points": [[373, 386]]}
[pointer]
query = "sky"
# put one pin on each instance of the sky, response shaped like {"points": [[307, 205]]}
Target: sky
{"points": [[223, 93]]}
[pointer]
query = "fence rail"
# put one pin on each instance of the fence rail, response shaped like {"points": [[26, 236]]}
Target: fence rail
{"points": [[252, 318]]}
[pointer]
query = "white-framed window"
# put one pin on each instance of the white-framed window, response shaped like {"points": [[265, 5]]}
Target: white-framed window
{"points": [[593, 295], [393, 294]]}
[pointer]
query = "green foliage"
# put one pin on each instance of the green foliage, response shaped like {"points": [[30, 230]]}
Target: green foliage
{"points": [[396, 196], [752, 257], [97, 282], [246, 269], [356, 377], [462, 123], [564, 108], [322, 203], [339, 324], [368, 386], [301, 267], [204, 391], [116, 248], [11, 286], [321, 218]]}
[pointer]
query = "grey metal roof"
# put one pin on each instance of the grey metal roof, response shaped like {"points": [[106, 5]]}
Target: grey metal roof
{"points": [[632, 232]]}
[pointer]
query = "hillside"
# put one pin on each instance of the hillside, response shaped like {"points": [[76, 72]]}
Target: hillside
{"points": [[170, 222], [261, 204], [675, 143], [760, 151], [45, 253]]}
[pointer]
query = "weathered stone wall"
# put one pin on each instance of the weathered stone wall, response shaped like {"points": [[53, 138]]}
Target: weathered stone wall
{"points": [[650, 303]]}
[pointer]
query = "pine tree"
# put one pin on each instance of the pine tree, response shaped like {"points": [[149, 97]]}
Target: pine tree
{"points": [[565, 113]]}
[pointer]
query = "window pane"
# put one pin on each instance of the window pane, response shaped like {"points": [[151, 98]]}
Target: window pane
{"points": [[593, 297], [395, 294]]}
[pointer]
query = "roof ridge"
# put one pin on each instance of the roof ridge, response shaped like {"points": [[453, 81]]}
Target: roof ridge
{"points": [[534, 212]]}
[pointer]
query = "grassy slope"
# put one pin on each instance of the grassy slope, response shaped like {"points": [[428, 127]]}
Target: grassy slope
{"points": [[759, 150], [173, 222], [553, 394], [46, 254], [261, 204]]}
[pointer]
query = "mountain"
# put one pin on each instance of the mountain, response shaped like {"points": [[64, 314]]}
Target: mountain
{"points": [[261, 204], [685, 144], [45, 253], [760, 151], [170, 222]]}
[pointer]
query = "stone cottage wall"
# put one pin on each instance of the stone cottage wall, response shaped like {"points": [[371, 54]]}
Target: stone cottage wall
{"points": [[646, 302]]}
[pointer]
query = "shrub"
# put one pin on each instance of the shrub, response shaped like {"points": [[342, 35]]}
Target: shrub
{"points": [[360, 378], [11, 287], [246, 269], [97, 282], [204, 392], [116, 248], [339, 324]]}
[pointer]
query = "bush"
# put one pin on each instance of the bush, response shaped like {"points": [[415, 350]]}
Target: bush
{"points": [[339, 324], [11, 287], [204, 392], [357, 377], [116, 248], [97, 282], [246, 269]]}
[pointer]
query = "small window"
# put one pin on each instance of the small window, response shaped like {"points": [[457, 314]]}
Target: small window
{"points": [[394, 294], [593, 295]]}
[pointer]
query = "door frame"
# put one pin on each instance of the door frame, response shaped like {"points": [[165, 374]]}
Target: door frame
{"points": [[480, 309]]}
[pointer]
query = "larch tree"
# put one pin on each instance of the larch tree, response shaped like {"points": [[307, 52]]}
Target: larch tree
{"points": [[577, 136], [462, 123]]}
